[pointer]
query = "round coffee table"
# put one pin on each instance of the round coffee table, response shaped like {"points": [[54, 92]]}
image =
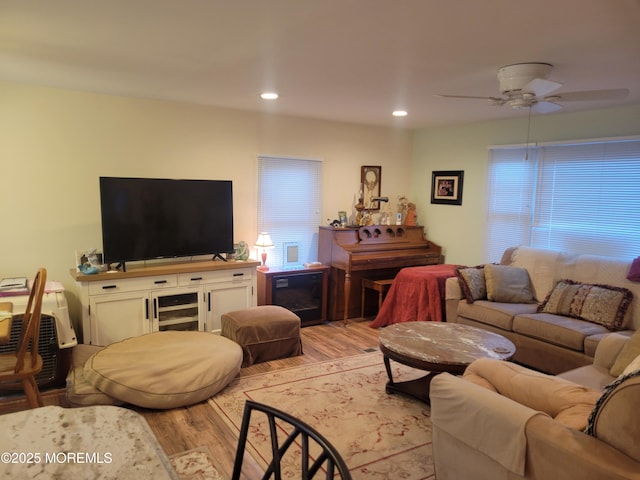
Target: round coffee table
{"points": [[437, 347]]}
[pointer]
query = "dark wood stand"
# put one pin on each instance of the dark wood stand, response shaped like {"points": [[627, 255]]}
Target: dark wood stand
{"points": [[266, 294]]}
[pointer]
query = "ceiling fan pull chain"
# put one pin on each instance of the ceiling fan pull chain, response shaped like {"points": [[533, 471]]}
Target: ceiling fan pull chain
{"points": [[526, 150]]}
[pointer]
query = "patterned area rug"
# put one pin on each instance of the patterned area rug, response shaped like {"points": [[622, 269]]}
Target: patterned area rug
{"points": [[380, 436], [196, 464]]}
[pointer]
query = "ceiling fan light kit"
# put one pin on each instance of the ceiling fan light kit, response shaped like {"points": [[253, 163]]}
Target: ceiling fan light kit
{"points": [[515, 78]]}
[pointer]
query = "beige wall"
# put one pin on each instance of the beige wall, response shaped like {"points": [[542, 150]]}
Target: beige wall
{"points": [[460, 229], [54, 144]]}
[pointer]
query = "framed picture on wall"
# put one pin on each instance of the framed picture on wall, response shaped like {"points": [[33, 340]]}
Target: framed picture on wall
{"points": [[370, 179], [446, 187]]}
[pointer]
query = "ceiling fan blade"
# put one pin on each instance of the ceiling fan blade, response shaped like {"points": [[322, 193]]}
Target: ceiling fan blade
{"points": [[464, 96], [494, 101], [545, 107], [612, 94], [541, 87]]}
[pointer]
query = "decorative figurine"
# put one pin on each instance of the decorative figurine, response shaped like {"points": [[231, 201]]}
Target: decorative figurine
{"points": [[411, 218]]}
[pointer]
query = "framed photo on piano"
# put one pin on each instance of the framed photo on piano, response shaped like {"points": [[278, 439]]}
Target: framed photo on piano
{"points": [[446, 187]]}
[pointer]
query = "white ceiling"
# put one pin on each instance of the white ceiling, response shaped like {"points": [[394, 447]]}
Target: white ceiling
{"points": [[344, 60]]}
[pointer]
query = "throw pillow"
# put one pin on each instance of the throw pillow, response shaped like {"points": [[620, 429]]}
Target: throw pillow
{"points": [[634, 271], [629, 351], [632, 367], [472, 282], [508, 284], [601, 304], [608, 390]]}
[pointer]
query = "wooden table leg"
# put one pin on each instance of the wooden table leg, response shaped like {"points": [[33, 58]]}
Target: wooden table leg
{"points": [[417, 388], [347, 294]]}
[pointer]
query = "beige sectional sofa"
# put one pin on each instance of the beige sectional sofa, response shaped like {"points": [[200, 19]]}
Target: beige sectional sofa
{"points": [[545, 341], [501, 420]]}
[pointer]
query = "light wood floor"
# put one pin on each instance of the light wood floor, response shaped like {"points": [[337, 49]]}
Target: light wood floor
{"points": [[197, 425]]}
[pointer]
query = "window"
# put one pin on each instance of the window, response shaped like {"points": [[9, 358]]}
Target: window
{"points": [[581, 197], [289, 203]]}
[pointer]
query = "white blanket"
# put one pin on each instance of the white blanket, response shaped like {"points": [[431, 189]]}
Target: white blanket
{"points": [[81, 443]]}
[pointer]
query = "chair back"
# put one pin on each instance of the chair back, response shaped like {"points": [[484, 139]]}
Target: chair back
{"points": [[30, 332], [324, 456]]}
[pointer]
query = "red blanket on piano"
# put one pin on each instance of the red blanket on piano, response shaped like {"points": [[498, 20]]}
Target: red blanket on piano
{"points": [[417, 293]]}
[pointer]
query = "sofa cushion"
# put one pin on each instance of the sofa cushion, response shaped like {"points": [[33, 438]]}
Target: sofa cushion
{"points": [[508, 284], [592, 376], [615, 418], [592, 341], [472, 282], [602, 304], [630, 351], [556, 329], [497, 314]]}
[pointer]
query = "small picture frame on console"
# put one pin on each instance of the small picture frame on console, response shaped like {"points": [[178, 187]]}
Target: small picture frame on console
{"points": [[446, 187], [342, 217]]}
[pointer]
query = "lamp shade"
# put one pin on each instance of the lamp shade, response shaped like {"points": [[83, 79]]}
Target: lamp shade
{"points": [[264, 240]]}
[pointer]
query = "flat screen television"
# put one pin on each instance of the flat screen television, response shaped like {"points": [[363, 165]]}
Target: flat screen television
{"points": [[150, 218]]}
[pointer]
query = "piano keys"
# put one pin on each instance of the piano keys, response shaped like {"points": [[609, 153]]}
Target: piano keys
{"points": [[375, 252]]}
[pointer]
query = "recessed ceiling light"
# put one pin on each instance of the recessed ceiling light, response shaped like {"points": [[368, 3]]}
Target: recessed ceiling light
{"points": [[399, 113], [269, 96]]}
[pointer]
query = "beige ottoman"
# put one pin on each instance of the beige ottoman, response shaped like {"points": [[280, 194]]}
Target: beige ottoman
{"points": [[265, 333]]}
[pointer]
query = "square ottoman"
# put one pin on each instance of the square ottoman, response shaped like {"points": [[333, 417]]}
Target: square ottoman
{"points": [[267, 332]]}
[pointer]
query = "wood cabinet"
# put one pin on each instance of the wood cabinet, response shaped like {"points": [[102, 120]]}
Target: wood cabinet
{"points": [[301, 290], [189, 296]]}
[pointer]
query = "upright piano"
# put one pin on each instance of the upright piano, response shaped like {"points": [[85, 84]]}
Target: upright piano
{"points": [[374, 252]]}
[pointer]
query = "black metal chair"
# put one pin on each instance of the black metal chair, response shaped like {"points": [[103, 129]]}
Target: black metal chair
{"points": [[328, 459]]}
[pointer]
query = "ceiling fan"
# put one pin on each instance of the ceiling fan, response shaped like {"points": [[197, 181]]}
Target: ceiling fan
{"points": [[525, 85]]}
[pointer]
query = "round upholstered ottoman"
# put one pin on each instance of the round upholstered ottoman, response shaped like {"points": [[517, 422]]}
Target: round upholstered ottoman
{"points": [[165, 369]]}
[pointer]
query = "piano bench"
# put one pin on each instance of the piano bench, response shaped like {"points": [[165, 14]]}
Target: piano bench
{"points": [[380, 286]]}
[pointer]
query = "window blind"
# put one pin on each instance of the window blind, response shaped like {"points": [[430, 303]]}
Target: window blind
{"points": [[579, 197], [510, 186], [289, 203]]}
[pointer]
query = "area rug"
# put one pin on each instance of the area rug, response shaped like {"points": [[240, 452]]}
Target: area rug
{"points": [[380, 436], [196, 464]]}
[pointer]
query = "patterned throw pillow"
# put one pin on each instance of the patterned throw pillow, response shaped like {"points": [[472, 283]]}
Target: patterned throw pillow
{"points": [[601, 304], [472, 282]]}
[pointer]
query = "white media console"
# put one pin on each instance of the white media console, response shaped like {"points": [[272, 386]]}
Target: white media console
{"points": [[175, 296]]}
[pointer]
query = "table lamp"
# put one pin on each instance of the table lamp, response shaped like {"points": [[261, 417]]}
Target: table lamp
{"points": [[264, 241]]}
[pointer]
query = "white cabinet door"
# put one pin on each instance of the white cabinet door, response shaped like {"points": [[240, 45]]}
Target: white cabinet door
{"points": [[117, 316], [226, 297]]}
